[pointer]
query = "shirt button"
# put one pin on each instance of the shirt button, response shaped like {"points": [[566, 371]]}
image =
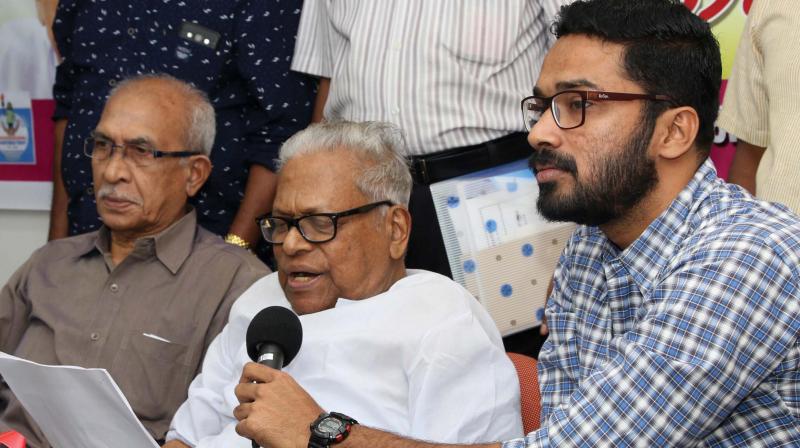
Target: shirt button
{"points": [[94, 336], [131, 31], [396, 110], [114, 287], [89, 190], [112, 82]]}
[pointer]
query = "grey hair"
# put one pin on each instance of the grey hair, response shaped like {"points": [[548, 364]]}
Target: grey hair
{"points": [[380, 145], [200, 127]]}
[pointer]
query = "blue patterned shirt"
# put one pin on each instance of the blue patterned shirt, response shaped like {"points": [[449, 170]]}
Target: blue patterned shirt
{"points": [[258, 101], [688, 337]]}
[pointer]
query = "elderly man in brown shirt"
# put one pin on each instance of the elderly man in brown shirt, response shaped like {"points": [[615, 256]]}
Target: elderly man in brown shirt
{"points": [[144, 296]]}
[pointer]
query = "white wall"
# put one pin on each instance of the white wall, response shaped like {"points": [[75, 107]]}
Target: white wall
{"points": [[21, 232]]}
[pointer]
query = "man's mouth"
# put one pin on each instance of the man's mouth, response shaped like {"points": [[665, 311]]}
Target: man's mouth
{"points": [[547, 173], [117, 202], [548, 166], [299, 280], [303, 277]]}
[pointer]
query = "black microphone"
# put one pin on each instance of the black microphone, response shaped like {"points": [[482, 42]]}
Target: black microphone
{"points": [[274, 338]]}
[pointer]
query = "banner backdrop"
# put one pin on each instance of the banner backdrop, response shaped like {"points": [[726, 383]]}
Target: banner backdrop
{"points": [[727, 18], [27, 71]]}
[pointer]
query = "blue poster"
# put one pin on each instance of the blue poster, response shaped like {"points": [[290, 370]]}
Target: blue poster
{"points": [[16, 130]]}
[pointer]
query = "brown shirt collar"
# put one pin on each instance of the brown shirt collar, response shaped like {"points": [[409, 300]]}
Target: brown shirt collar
{"points": [[171, 246]]}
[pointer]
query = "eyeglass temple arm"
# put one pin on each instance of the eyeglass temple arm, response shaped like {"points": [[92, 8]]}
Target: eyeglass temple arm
{"points": [[616, 96]]}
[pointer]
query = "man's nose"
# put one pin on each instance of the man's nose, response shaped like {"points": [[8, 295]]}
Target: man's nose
{"points": [[116, 168], [545, 132], [294, 242]]}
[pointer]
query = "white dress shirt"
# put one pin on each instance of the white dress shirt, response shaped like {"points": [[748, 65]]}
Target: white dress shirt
{"points": [[451, 73], [423, 359]]}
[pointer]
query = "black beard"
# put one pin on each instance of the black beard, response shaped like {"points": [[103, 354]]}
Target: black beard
{"points": [[622, 179]]}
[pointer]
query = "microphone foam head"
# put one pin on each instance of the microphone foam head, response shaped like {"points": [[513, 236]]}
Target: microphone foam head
{"points": [[276, 325]]}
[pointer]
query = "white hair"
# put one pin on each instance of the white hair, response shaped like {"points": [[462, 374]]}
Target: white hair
{"points": [[379, 145], [200, 128]]}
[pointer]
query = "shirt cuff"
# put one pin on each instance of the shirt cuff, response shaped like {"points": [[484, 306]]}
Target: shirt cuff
{"points": [[516, 443]]}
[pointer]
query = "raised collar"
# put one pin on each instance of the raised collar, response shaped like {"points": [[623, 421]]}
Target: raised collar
{"points": [[171, 246], [647, 256]]}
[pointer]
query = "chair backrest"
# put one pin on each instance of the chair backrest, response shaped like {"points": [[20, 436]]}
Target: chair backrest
{"points": [[529, 391], [12, 439]]}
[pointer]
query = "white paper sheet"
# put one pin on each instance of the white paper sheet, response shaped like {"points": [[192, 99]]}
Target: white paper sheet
{"points": [[75, 407]]}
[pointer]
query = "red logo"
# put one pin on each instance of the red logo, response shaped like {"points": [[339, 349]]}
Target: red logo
{"points": [[711, 11]]}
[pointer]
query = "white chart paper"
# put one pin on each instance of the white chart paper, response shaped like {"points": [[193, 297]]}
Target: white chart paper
{"points": [[75, 407], [498, 245]]}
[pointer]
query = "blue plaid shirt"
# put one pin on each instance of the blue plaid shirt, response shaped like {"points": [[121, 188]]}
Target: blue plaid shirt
{"points": [[689, 337]]}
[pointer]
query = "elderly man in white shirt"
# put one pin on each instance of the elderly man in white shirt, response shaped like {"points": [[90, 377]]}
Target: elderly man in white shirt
{"points": [[411, 352]]}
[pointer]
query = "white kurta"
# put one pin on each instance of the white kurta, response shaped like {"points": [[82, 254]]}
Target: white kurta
{"points": [[423, 359]]}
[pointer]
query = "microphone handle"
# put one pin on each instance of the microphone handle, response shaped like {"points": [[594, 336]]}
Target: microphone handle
{"points": [[270, 355]]}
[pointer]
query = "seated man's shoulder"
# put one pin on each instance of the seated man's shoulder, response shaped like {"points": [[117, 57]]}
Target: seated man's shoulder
{"points": [[744, 224], [264, 292], [213, 249], [425, 286], [65, 248], [754, 235], [442, 298]]}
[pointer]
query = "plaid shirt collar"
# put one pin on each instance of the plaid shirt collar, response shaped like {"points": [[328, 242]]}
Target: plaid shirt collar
{"points": [[648, 255]]}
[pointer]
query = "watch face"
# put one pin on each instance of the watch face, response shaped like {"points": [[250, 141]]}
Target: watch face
{"points": [[330, 425]]}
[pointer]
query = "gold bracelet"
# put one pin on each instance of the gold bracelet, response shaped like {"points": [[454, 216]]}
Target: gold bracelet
{"points": [[236, 240]]}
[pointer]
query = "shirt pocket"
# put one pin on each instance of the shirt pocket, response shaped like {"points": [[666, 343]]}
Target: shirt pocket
{"points": [[481, 33], [153, 374]]}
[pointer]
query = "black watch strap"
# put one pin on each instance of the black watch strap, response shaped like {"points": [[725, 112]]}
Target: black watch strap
{"points": [[319, 440]]}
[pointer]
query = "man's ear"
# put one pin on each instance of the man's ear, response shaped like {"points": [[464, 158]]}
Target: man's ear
{"points": [[199, 167], [398, 221], [676, 132]]}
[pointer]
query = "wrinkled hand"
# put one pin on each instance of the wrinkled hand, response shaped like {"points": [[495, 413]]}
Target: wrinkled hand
{"points": [[274, 410]]}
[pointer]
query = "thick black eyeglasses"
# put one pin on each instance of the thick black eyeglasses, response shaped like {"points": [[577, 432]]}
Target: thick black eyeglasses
{"points": [[569, 107], [138, 153], [314, 228]]}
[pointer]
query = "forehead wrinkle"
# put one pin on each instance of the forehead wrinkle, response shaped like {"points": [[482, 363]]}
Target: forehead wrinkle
{"points": [[582, 62], [172, 104], [139, 139], [296, 185]]}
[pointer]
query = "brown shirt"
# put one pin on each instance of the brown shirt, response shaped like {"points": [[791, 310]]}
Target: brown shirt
{"points": [[148, 320]]}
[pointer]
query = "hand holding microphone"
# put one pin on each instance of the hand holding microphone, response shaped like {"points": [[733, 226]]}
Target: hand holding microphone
{"points": [[273, 339]]}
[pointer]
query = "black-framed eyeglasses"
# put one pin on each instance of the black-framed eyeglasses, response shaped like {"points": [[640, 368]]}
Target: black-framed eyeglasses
{"points": [[314, 228], [140, 154], [569, 106]]}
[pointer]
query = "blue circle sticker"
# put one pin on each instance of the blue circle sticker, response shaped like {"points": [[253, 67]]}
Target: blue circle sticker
{"points": [[527, 249], [506, 290], [453, 201], [469, 266], [540, 314], [491, 226]]}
